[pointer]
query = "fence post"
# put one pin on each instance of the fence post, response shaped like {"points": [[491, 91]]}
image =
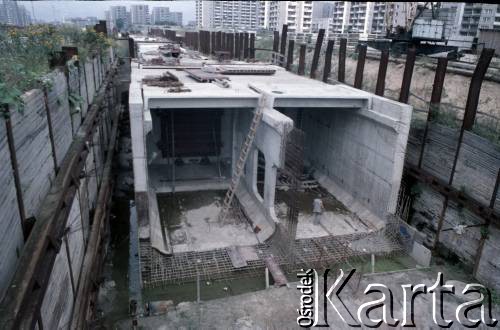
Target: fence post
{"points": [[382, 71], [328, 60], [342, 55], [404, 94], [317, 50], [360, 66]]}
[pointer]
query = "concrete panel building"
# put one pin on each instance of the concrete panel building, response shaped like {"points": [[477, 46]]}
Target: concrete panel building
{"points": [[12, 13], [227, 14], [296, 14], [468, 18], [160, 15], [140, 14]]}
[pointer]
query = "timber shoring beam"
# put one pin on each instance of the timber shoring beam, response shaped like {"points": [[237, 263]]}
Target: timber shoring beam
{"points": [[21, 304], [450, 192], [91, 261]]}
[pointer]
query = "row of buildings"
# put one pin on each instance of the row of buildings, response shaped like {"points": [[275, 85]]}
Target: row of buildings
{"points": [[119, 18], [14, 14], [377, 18]]}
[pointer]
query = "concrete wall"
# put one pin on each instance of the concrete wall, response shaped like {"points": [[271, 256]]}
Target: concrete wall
{"points": [[36, 166], [362, 156]]}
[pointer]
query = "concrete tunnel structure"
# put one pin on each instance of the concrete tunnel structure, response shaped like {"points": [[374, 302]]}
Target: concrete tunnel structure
{"points": [[354, 140]]}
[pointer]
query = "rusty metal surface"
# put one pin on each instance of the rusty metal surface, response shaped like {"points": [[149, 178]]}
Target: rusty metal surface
{"points": [[328, 60], [437, 89], [317, 51], [302, 60], [404, 94], [289, 59], [342, 54], [382, 71], [360, 66]]}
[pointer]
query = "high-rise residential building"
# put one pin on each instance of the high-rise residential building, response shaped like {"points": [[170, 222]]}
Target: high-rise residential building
{"points": [[470, 17], [13, 14], [323, 9], [160, 15], [175, 18], [139, 14], [296, 14], [118, 18], [366, 17], [227, 14]]}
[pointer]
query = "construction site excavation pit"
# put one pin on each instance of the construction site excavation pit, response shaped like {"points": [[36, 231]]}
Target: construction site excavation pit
{"points": [[273, 141]]}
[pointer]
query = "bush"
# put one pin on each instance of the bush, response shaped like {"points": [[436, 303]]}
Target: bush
{"points": [[25, 55]]}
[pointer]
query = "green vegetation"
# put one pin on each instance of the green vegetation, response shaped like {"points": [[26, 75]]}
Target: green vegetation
{"points": [[25, 55]]}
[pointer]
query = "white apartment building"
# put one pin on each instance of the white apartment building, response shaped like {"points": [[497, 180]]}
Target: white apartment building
{"points": [[139, 14], [13, 14], [366, 17], [297, 14], [468, 18], [160, 15], [227, 14], [118, 17]]}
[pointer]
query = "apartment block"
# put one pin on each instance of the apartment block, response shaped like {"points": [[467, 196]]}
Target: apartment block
{"points": [[139, 14], [13, 14], [296, 14], [160, 15], [228, 14], [366, 17]]}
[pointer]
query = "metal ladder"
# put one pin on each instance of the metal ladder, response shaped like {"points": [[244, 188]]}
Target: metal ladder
{"points": [[257, 117]]}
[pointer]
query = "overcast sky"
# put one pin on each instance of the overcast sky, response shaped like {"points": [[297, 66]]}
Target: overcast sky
{"points": [[58, 10]]}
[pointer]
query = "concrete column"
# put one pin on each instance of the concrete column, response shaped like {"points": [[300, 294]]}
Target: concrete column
{"points": [[269, 185]]}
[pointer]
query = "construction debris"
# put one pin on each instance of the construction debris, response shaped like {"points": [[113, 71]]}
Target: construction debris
{"points": [[167, 79]]}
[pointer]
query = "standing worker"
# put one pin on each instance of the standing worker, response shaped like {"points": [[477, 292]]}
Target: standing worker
{"points": [[318, 209]]}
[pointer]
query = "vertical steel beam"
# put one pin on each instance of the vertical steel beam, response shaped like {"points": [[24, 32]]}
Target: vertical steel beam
{"points": [[213, 47], [328, 60], [342, 55], [284, 35], [276, 46], [317, 51], [302, 60], [404, 94], [15, 167], [360, 66], [289, 60], [237, 45], [245, 47], [51, 128], [252, 46], [437, 89], [382, 71], [475, 88]]}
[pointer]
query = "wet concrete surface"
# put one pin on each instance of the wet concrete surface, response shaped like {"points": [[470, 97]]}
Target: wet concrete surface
{"points": [[335, 220], [191, 219]]}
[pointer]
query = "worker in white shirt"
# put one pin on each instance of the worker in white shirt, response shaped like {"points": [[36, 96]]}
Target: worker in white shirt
{"points": [[318, 209]]}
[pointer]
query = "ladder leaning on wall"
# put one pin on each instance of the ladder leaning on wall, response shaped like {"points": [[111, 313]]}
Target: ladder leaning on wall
{"points": [[257, 117]]}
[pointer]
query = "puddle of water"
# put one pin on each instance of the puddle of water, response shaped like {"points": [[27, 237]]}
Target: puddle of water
{"points": [[208, 289], [304, 201], [173, 207]]}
